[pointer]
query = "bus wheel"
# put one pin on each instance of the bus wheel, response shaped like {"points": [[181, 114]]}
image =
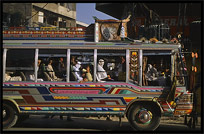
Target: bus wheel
{"points": [[143, 117], [10, 116]]}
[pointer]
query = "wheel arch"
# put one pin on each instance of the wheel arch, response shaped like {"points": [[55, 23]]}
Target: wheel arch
{"points": [[11, 103], [151, 101]]}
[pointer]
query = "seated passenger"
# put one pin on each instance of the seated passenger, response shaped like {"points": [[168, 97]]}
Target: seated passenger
{"points": [[30, 74], [73, 63], [151, 75], [41, 69], [154, 77], [101, 74], [77, 72], [51, 71], [121, 73], [87, 74], [8, 77], [61, 68]]}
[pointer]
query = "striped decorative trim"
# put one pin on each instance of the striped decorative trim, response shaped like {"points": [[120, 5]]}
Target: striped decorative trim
{"points": [[70, 109]]}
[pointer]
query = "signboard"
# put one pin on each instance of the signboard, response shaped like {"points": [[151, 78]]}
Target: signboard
{"points": [[172, 22]]}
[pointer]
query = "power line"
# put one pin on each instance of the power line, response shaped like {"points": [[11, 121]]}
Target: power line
{"points": [[36, 13]]}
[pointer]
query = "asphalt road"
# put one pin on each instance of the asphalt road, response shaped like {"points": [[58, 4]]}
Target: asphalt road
{"points": [[38, 123]]}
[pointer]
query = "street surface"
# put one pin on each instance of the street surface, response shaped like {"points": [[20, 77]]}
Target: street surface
{"points": [[38, 123]]}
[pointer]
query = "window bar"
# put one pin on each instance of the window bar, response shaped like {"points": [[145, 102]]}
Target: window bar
{"points": [[140, 67], [36, 64], [127, 65], [68, 65], [95, 63], [4, 63], [173, 65]]}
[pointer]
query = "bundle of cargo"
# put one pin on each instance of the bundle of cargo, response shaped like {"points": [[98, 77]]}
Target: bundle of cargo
{"points": [[110, 30]]}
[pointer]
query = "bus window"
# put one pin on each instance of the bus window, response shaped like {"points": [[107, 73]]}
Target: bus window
{"points": [[156, 68], [52, 64], [20, 65], [180, 72], [134, 67], [81, 65], [111, 65]]}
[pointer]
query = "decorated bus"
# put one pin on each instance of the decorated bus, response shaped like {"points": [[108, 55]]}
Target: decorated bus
{"points": [[138, 81]]}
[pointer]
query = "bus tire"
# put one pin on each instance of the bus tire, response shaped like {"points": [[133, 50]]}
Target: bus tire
{"points": [[10, 116], [143, 117]]}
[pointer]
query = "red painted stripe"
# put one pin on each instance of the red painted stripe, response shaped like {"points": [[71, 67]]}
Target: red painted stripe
{"points": [[33, 108], [128, 100], [75, 88], [117, 106], [100, 102], [118, 90], [39, 108], [111, 91], [29, 99]]}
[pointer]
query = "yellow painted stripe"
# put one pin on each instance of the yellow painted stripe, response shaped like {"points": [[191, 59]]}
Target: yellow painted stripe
{"points": [[13, 97], [116, 109], [61, 97], [27, 108], [129, 97], [16, 85]]}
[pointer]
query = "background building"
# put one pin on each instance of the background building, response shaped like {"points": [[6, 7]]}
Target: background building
{"points": [[39, 14], [177, 16], [81, 24]]}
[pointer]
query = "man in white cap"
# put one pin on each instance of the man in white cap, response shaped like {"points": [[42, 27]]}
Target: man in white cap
{"points": [[77, 71], [102, 75]]}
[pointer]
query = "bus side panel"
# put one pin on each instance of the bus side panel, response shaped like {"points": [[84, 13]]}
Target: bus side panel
{"points": [[83, 98], [91, 99]]}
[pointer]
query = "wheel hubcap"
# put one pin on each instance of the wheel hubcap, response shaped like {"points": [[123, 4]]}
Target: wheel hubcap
{"points": [[144, 116], [4, 113]]}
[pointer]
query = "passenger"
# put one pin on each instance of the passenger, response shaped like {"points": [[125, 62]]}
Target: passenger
{"points": [[72, 74], [88, 75], [39, 63], [151, 75], [77, 72], [61, 68], [8, 77], [30, 75], [51, 71], [73, 62], [102, 75], [41, 69], [121, 70]]}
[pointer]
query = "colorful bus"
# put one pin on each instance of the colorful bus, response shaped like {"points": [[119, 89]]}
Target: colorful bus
{"points": [[138, 81]]}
